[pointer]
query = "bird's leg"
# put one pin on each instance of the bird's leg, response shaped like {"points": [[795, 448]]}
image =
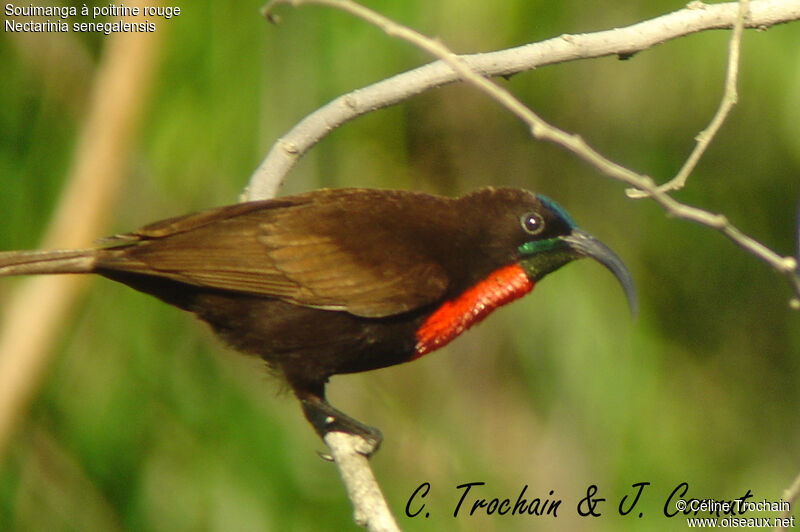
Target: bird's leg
{"points": [[325, 418]]}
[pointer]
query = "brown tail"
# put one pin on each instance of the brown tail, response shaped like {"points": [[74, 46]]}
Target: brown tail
{"points": [[44, 262]]}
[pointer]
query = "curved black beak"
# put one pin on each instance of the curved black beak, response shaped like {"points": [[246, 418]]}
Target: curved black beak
{"points": [[586, 245]]}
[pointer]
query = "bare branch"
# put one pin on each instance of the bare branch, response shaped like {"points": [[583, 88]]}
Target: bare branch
{"points": [[285, 153], [369, 506]]}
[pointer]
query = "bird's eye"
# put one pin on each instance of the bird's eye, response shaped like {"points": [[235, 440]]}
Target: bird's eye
{"points": [[532, 223]]}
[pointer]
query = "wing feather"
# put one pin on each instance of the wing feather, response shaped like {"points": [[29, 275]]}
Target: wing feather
{"points": [[280, 249]]}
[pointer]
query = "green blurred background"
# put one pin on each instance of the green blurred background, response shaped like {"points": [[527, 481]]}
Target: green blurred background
{"points": [[145, 422]]}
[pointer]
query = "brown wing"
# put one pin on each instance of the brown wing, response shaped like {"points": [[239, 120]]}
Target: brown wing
{"points": [[335, 249]]}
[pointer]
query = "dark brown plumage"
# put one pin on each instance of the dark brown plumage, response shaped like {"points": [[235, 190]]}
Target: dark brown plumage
{"points": [[339, 281]]}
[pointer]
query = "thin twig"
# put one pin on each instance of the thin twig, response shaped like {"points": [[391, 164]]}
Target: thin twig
{"points": [[730, 97], [626, 41]]}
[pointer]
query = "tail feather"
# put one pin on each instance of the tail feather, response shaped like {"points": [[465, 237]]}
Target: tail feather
{"points": [[44, 262]]}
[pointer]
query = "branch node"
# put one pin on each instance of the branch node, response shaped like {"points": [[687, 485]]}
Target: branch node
{"points": [[326, 457], [636, 193], [351, 101], [290, 147], [578, 140], [648, 182]]}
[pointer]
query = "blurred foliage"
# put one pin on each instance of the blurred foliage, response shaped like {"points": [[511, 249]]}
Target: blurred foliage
{"points": [[146, 422]]}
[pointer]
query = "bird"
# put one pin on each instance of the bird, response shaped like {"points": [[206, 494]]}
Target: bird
{"points": [[338, 281]]}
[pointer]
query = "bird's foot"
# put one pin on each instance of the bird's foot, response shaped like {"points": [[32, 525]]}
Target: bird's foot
{"points": [[326, 419]]}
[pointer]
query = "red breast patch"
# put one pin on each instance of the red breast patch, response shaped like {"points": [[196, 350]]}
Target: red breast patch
{"points": [[457, 315]]}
